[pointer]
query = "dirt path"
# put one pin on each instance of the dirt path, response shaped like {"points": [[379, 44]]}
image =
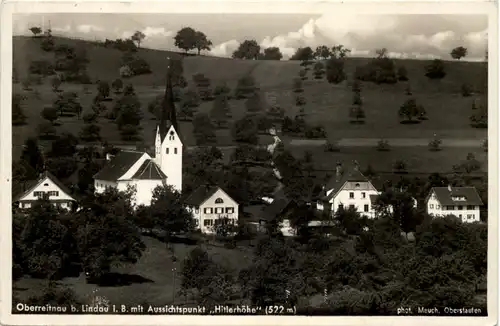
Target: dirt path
{"points": [[395, 142]]}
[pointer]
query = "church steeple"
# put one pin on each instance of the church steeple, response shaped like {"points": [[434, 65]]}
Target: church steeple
{"points": [[167, 115]]}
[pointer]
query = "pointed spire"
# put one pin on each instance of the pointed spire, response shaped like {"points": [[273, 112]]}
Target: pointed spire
{"points": [[167, 114]]}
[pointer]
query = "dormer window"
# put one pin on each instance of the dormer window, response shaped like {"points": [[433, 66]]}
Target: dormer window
{"points": [[45, 184], [356, 185], [458, 198], [219, 201]]}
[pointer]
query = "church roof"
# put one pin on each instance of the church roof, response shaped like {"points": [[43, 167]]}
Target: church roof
{"points": [[168, 112], [31, 185], [149, 170], [118, 166]]}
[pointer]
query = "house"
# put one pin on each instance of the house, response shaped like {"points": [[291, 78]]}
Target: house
{"points": [[349, 189], [279, 210], [48, 185], [140, 170], [210, 205], [463, 202]]}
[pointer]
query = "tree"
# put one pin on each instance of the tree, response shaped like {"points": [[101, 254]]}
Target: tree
{"points": [[202, 42], [33, 155], [245, 130], [381, 53], [399, 166], [35, 31], [186, 39], [128, 111], [169, 213], [50, 114], [67, 104], [458, 52], [319, 70], [356, 99], [339, 51], [64, 146], [357, 114], [138, 37], [220, 111], [335, 71], [402, 73], [117, 85], [297, 85], [56, 83], [249, 50], [254, 104], [435, 70], [18, 117], [303, 54], [204, 131], [303, 74], [106, 234], [62, 167], [409, 110], [130, 132], [466, 90], [322, 52], [103, 89], [46, 130], [246, 87], [90, 132], [272, 53], [383, 146]]}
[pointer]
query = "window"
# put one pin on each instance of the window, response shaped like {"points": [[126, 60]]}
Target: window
{"points": [[340, 206], [460, 208], [460, 215], [470, 216], [196, 223], [208, 222], [219, 201], [208, 210], [469, 207], [356, 185], [38, 193], [450, 208], [175, 150], [366, 208], [229, 210], [363, 195], [171, 137], [438, 206], [45, 184], [167, 150], [219, 210], [351, 195], [53, 193], [351, 206], [431, 206], [197, 210]]}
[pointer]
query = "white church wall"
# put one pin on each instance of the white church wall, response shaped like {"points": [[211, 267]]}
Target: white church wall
{"points": [[170, 160]]}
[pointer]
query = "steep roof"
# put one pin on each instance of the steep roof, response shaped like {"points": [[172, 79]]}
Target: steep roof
{"points": [[149, 170], [168, 115], [32, 184], [277, 207], [202, 193], [118, 165], [336, 182], [444, 196]]}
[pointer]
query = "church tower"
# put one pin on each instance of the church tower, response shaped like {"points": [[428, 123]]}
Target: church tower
{"points": [[168, 144]]}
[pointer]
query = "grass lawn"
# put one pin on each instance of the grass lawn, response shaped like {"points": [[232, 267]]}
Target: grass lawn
{"points": [[418, 159], [152, 279]]}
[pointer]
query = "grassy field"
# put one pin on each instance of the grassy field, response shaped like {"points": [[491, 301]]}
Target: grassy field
{"points": [[327, 104], [152, 280]]}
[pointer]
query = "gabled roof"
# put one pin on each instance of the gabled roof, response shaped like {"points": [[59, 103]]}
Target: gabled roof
{"points": [[149, 170], [336, 182], [31, 185], [277, 207], [201, 194], [444, 196], [118, 165]]}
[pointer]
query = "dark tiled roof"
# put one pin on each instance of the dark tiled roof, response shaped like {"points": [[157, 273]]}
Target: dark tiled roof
{"points": [[336, 182], [32, 184], [149, 170], [118, 165], [201, 194], [277, 207], [168, 115], [444, 196]]}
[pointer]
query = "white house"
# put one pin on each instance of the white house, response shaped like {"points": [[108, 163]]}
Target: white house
{"points": [[463, 202], [47, 185], [139, 169], [210, 205], [350, 189]]}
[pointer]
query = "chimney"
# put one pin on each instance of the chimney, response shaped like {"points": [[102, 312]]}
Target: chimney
{"points": [[338, 170]]}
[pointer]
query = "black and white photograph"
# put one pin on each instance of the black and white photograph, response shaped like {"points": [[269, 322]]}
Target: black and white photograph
{"points": [[331, 162]]}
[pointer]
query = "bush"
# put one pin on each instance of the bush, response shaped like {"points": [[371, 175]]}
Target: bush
{"points": [[435, 70], [383, 146], [331, 147], [435, 145], [466, 90], [139, 66], [378, 70], [47, 44], [42, 67], [125, 72], [315, 132]]}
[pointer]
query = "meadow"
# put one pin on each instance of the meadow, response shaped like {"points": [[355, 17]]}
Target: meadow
{"points": [[326, 104]]}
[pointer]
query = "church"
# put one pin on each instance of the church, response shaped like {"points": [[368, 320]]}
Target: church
{"points": [[138, 169]]}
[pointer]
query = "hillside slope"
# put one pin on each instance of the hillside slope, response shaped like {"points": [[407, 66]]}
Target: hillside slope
{"points": [[105, 63]]}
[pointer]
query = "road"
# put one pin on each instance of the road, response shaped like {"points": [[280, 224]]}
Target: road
{"points": [[394, 142]]}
